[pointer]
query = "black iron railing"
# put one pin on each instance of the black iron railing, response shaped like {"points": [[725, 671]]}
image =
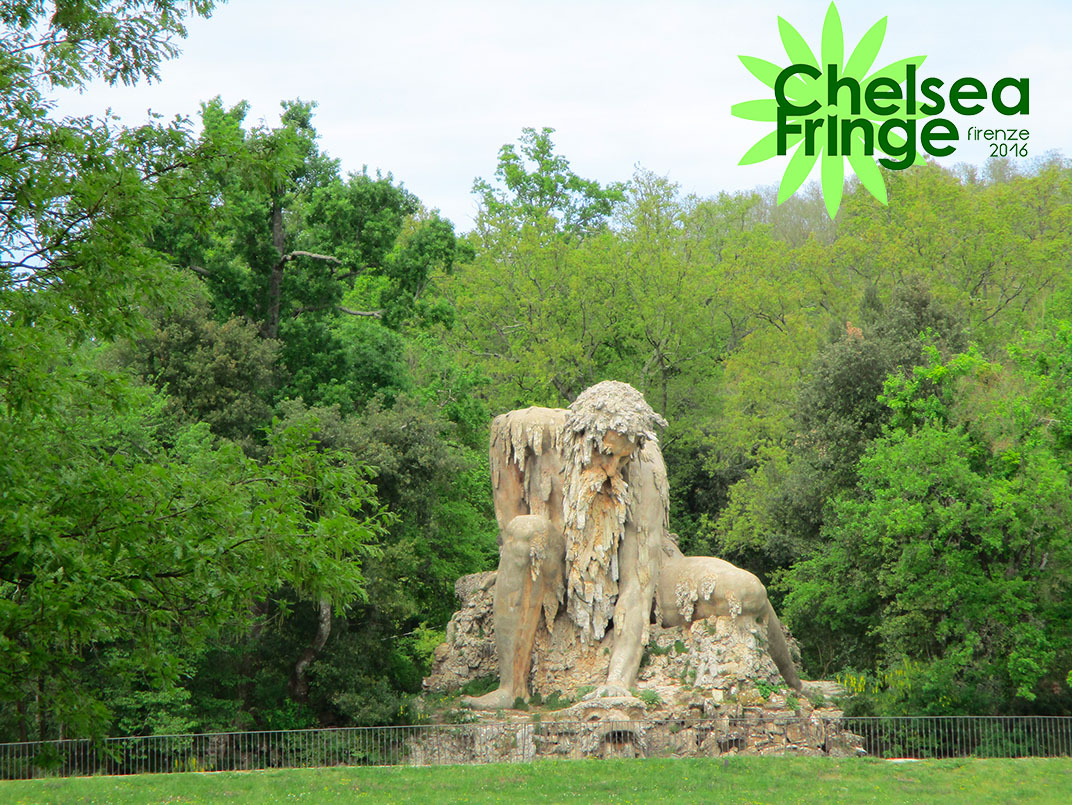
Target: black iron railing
{"points": [[887, 737]]}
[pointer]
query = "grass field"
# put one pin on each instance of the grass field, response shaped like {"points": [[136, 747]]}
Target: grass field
{"points": [[735, 779]]}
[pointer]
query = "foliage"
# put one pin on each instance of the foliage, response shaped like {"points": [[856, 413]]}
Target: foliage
{"points": [[123, 528], [953, 557], [221, 374], [651, 698], [551, 196], [79, 41], [131, 538], [244, 402]]}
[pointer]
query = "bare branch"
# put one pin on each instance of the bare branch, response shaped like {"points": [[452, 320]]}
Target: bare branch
{"points": [[376, 314], [312, 255]]}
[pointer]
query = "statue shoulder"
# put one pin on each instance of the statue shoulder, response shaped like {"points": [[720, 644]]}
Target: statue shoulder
{"points": [[652, 456], [535, 428]]}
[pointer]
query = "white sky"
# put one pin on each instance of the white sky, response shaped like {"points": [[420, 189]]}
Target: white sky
{"points": [[429, 91]]}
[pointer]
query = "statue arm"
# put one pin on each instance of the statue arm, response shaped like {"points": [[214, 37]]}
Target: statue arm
{"points": [[632, 615], [639, 558]]}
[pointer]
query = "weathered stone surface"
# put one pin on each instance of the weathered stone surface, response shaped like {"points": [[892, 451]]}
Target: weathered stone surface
{"points": [[709, 688], [609, 708], [582, 502], [469, 650], [718, 664], [614, 727]]}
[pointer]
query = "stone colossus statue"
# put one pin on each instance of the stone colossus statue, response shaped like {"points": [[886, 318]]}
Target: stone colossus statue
{"points": [[582, 503]]}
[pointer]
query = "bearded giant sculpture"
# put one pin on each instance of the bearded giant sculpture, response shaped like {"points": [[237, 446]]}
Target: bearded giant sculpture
{"points": [[581, 499]]}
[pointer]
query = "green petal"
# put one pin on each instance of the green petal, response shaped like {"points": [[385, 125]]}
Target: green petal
{"points": [[800, 165], [765, 111], [833, 181], [868, 173], [796, 88], [864, 54], [833, 39], [767, 148], [897, 70], [764, 70], [795, 47]]}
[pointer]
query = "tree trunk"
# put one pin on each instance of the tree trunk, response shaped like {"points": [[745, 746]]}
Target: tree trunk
{"points": [[275, 280], [299, 686], [20, 707]]}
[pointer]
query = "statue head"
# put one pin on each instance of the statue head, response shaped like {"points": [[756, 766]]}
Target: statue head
{"points": [[609, 418], [606, 430]]}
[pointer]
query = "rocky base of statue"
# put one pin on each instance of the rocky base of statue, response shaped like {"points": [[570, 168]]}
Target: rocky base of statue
{"points": [[516, 741], [715, 666], [708, 689]]}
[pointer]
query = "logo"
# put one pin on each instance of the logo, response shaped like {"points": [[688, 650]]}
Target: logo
{"points": [[837, 110]]}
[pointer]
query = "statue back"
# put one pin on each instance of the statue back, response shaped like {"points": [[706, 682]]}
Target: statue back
{"points": [[526, 464]]}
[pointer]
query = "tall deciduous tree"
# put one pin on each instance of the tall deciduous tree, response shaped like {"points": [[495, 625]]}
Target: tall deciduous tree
{"points": [[294, 247], [122, 530], [952, 560]]}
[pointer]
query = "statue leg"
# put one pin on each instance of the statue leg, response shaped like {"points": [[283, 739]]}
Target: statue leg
{"points": [[691, 588], [531, 563], [779, 650], [632, 616]]}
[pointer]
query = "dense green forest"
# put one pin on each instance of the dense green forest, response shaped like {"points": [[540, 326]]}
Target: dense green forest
{"points": [[244, 400]]}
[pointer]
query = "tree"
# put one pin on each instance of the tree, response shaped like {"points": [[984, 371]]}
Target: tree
{"points": [[379, 650], [549, 309], [776, 515], [952, 561], [77, 195], [551, 197], [121, 527], [222, 374], [113, 40], [127, 539], [291, 245]]}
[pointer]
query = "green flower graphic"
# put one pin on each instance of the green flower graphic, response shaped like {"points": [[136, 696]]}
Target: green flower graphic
{"points": [[803, 90]]}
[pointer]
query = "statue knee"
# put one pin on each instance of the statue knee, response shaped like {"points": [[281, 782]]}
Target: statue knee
{"points": [[530, 539], [526, 527], [523, 533]]}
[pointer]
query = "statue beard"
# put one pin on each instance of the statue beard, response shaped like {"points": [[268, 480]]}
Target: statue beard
{"points": [[596, 509]]}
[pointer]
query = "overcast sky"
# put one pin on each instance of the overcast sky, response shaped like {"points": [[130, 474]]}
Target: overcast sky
{"points": [[429, 91]]}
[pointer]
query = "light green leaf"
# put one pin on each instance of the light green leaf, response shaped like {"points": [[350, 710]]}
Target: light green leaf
{"points": [[867, 171], [833, 39], [866, 51], [765, 111], [833, 182], [795, 47], [767, 148], [765, 71], [798, 88], [896, 70], [800, 165]]}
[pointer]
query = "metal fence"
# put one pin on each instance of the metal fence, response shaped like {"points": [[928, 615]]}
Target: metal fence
{"points": [[925, 737], [908, 737]]}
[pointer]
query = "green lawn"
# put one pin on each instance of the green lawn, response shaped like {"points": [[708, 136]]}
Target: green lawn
{"points": [[736, 779]]}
